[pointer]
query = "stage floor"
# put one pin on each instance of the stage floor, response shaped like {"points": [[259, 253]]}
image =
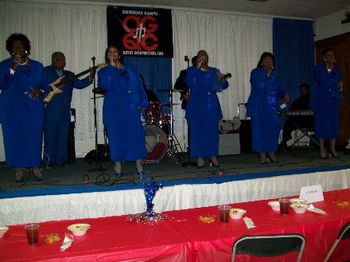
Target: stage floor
{"points": [[234, 167]]}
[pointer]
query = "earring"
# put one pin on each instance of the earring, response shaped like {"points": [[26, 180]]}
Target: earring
{"points": [[26, 52]]}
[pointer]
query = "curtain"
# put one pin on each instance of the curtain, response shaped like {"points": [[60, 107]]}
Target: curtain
{"points": [[234, 44], [293, 47], [80, 32], [157, 75]]}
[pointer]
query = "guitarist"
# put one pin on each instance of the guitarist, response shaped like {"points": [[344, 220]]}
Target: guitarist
{"points": [[57, 112], [181, 84]]}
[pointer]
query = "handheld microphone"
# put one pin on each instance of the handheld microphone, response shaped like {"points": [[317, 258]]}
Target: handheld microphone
{"points": [[228, 75], [93, 58]]}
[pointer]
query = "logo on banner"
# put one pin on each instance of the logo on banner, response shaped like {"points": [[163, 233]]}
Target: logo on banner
{"points": [[140, 33]]}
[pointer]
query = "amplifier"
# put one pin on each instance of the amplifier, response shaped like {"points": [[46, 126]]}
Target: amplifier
{"points": [[229, 144]]}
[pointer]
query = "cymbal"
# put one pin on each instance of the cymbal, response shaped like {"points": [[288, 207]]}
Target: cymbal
{"points": [[170, 104], [168, 90]]}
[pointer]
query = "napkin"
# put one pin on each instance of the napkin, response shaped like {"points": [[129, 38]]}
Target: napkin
{"points": [[249, 222], [67, 242], [316, 210]]}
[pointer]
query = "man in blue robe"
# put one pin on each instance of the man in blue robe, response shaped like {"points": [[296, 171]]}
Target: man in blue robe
{"points": [[262, 108], [325, 101], [203, 111], [57, 111], [124, 100], [23, 87]]}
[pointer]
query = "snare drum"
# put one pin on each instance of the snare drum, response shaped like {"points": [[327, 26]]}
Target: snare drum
{"points": [[156, 144]]}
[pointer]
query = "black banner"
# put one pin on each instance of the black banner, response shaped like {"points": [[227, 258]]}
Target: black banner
{"points": [[140, 31]]}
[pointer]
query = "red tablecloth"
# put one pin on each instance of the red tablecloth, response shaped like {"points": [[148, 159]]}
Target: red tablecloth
{"points": [[182, 237]]}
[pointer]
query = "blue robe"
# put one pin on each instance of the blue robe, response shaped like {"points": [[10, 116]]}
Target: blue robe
{"points": [[124, 98], [325, 101], [57, 118], [263, 110], [203, 111], [22, 118]]}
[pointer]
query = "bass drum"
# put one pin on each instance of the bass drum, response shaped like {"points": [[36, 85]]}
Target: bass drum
{"points": [[156, 144]]}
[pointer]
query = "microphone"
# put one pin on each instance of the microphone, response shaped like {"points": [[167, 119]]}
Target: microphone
{"points": [[93, 58], [186, 58], [228, 75]]}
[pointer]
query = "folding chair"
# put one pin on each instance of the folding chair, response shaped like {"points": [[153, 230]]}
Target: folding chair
{"points": [[343, 234], [269, 245]]}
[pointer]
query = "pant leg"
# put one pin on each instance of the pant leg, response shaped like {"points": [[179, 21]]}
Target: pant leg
{"points": [[61, 148]]}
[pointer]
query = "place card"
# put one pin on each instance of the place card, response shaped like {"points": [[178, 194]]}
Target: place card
{"points": [[312, 194], [249, 222]]}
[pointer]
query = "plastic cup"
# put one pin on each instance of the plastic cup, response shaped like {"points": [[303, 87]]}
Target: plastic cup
{"points": [[284, 205], [32, 231], [224, 213]]}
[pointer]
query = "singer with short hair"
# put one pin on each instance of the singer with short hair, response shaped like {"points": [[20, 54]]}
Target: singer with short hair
{"points": [[203, 111], [23, 87], [262, 108], [325, 100], [125, 100], [57, 111]]}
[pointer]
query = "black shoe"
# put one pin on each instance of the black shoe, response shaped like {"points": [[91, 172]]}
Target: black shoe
{"points": [[213, 165], [38, 178], [335, 155], [19, 180], [118, 174]]}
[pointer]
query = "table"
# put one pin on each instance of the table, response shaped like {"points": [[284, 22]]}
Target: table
{"points": [[182, 237]]}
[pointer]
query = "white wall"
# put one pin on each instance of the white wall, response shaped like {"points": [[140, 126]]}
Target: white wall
{"points": [[330, 25]]}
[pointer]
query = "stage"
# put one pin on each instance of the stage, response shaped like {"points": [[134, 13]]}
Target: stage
{"points": [[80, 191]]}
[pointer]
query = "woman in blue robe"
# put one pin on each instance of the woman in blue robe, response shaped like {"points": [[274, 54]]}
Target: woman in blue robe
{"points": [[23, 88], [262, 108], [203, 111], [325, 101], [124, 101]]}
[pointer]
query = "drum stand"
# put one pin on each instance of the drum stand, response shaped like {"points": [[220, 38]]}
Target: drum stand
{"points": [[174, 146]]}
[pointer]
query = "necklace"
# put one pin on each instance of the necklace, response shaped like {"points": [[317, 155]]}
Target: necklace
{"points": [[25, 62]]}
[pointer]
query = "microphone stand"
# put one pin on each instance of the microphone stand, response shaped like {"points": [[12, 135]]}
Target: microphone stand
{"points": [[98, 162], [189, 162]]}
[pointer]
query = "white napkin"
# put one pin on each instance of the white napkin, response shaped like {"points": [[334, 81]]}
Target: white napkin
{"points": [[249, 222], [67, 242], [316, 210]]}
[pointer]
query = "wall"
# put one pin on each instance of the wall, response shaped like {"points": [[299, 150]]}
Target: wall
{"points": [[330, 25]]}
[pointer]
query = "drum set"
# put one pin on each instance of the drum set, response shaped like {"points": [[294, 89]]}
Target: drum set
{"points": [[159, 130]]}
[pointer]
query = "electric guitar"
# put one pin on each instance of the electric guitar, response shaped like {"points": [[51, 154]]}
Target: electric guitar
{"points": [[58, 84]]}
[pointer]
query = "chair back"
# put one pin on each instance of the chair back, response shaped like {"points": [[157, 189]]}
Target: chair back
{"points": [[269, 245], [344, 233]]}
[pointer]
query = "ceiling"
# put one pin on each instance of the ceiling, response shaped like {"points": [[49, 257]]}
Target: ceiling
{"points": [[310, 9]]}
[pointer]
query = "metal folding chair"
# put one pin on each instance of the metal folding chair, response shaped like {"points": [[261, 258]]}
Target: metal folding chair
{"points": [[269, 245], [343, 234]]}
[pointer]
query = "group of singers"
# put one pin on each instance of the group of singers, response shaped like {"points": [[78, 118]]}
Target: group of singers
{"points": [[25, 117]]}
